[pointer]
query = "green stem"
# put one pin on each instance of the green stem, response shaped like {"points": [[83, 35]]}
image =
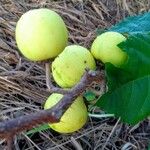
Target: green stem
{"points": [[100, 115]]}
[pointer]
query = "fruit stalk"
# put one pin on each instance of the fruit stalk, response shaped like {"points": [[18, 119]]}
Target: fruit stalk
{"points": [[17, 125]]}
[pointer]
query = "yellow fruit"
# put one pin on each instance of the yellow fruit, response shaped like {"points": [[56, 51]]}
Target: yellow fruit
{"points": [[105, 48], [73, 119], [70, 65], [41, 34]]}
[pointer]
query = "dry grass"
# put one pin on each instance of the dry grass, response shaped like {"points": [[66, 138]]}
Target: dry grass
{"points": [[22, 83]]}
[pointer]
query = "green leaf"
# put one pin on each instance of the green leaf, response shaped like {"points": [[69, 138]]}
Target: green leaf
{"points": [[128, 96], [131, 102], [149, 147], [90, 96], [100, 31], [134, 24], [38, 129], [138, 65], [128, 86]]}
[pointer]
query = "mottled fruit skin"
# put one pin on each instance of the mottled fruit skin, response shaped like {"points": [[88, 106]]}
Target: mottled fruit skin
{"points": [[73, 119], [105, 48], [41, 34], [70, 65]]}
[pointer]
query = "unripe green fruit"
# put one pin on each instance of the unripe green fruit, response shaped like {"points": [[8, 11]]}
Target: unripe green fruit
{"points": [[70, 65], [41, 34], [73, 119], [105, 48]]}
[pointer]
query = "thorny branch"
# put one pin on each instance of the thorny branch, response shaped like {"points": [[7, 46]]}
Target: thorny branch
{"points": [[26, 122]]}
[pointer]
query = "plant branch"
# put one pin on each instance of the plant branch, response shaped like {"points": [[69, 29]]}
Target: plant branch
{"points": [[26, 122], [10, 142], [50, 86]]}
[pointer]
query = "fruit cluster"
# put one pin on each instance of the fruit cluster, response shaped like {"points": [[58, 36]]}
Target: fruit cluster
{"points": [[41, 34]]}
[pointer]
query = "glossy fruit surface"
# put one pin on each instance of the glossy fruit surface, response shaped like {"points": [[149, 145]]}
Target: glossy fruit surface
{"points": [[41, 34], [73, 119], [105, 48], [70, 65]]}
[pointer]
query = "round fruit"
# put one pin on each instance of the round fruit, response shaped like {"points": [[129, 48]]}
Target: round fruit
{"points": [[41, 34], [73, 119], [70, 65], [105, 48]]}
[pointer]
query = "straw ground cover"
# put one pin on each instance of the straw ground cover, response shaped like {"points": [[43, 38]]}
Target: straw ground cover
{"points": [[23, 85]]}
